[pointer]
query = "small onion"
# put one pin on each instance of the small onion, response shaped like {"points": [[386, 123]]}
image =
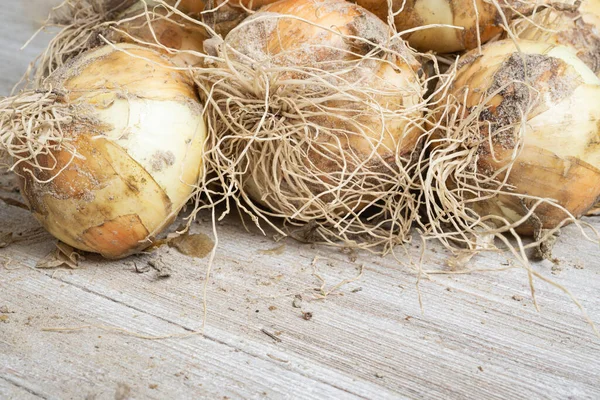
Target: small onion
{"points": [[563, 27], [175, 33], [318, 111], [481, 21], [535, 126], [126, 161], [87, 24]]}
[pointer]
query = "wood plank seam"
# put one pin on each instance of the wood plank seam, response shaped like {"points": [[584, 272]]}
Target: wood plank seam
{"points": [[25, 388]]}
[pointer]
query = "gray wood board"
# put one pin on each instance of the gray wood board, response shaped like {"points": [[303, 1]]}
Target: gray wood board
{"points": [[477, 335]]}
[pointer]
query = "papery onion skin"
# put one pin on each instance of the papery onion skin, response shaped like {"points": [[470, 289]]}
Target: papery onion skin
{"points": [[172, 30], [297, 44], [560, 156], [139, 141], [176, 33], [291, 43], [566, 28], [460, 13], [590, 12]]}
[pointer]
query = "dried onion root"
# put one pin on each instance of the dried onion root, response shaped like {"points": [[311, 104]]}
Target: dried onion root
{"points": [[109, 151], [516, 149], [316, 112]]}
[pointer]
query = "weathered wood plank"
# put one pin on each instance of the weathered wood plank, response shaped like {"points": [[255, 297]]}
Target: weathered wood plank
{"points": [[95, 362], [437, 354]]}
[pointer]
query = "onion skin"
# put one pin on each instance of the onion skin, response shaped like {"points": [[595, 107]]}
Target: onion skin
{"points": [[175, 33], [567, 28], [459, 13], [590, 13], [297, 44], [560, 154], [290, 42], [133, 172], [178, 33]]}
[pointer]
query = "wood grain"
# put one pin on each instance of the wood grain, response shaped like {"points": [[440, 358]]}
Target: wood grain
{"points": [[477, 336]]}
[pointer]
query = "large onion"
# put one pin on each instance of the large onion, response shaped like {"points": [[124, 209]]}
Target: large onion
{"points": [[318, 111], [120, 167], [528, 117], [564, 27], [480, 21]]}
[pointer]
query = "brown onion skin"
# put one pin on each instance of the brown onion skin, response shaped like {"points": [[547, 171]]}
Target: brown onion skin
{"points": [[563, 27], [573, 183], [347, 19], [460, 13], [179, 33]]}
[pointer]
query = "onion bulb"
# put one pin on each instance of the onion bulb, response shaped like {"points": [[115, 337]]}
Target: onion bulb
{"points": [[317, 111], [122, 161], [563, 27], [520, 143], [173, 33], [87, 24], [480, 21]]}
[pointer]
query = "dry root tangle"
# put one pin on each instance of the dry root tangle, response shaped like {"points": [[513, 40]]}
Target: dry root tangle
{"points": [[282, 132], [32, 125], [79, 22]]}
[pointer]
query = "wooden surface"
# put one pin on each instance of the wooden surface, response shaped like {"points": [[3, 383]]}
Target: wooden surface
{"points": [[477, 336]]}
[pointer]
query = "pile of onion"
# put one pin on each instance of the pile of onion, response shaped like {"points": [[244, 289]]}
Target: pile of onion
{"points": [[316, 112], [109, 150], [574, 27], [442, 26], [517, 147]]}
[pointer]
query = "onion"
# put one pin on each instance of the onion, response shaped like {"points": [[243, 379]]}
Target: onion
{"points": [[481, 21], [518, 145], [111, 151], [175, 34], [316, 113], [87, 24], [563, 27]]}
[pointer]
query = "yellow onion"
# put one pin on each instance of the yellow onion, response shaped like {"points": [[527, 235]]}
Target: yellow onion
{"points": [[87, 24], [176, 33], [318, 110], [126, 161], [481, 21], [535, 113], [563, 27]]}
